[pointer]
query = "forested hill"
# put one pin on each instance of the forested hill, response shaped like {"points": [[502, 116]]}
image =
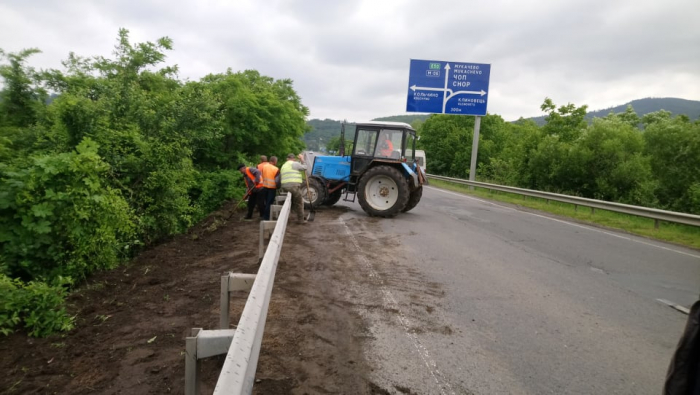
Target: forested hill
{"points": [[675, 106]]}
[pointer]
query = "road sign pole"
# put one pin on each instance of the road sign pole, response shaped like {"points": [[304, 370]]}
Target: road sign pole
{"points": [[475, 150]]}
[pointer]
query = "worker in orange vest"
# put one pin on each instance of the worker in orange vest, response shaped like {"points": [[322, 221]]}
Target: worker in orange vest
{"points": [[270, 181], [263, 162], [386, 148], [254, 185]]}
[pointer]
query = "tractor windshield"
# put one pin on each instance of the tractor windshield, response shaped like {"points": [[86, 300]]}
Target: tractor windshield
{"points": [[366, 141], [389, 144]]}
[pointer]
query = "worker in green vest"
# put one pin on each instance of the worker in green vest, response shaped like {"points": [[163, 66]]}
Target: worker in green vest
{"points": [[291, 179]]}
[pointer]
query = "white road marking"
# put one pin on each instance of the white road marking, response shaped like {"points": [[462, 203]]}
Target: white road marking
{"points": [[566, 222], [391, 303], [675, 306]]}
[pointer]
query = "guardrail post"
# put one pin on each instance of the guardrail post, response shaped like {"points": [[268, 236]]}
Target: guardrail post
{"points": [[192, 364], [265, 226], [576, 207], [230, 283], [275, 211], [656, 224], [592, 210], [224, 306], [203, 344]]}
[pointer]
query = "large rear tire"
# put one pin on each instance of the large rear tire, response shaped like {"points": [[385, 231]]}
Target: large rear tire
{"points": [[413, 199], [316, 192], [333, 197], [383, 191]]}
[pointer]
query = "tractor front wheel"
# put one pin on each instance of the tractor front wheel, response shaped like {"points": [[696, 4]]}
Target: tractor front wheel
{"points": [[383, 191], [314, 195]]}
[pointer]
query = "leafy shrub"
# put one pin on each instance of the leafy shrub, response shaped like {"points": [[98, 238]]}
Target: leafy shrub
{"points": [[215, 187], [36, 305], [57, 219]]}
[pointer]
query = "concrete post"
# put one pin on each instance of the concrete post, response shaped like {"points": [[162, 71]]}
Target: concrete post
{"points": [[192, 364], [225, 303], [475, 150], [229, 283], [265, 227]]}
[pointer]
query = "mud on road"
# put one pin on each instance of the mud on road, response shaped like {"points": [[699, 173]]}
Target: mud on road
{"points": [[132, 321]]}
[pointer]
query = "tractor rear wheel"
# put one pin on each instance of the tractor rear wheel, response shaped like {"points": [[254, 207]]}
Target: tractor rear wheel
{"points": [[316, 193], [383, 191], [414, 199]]}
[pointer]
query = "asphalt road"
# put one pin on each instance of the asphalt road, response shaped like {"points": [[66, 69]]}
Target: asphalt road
{"points": [[483, 298]]}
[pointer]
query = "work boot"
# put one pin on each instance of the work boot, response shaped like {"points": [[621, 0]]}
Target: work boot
{"points": [[247, 218], [301, 221]]}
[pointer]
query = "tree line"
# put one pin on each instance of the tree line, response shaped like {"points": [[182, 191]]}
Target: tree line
{"points": [[111, 154], [652, 161]]}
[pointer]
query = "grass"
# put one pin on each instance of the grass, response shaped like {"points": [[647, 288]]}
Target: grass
{"points": [[685, 235]]}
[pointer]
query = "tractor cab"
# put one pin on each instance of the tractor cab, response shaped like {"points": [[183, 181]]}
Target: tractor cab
{"points": [[377, 143]]}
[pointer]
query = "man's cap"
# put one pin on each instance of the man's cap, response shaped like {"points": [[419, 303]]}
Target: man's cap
{"points": [[291, 156], [239, 166]]}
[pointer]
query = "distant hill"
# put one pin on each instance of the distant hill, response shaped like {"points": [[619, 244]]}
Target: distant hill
{"points": [[691, 108], [322, 130]]}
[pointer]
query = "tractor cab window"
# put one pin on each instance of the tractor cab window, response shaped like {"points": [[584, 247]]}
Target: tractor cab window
{"points": [[389, 144], [366, 142], [410, 145]]}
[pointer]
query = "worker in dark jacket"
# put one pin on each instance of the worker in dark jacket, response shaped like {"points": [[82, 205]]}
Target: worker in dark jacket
{"points": [[254, 185], [683, 377]]}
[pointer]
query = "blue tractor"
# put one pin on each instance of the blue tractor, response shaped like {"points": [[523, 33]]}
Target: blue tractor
{"points": [[381, 171]]}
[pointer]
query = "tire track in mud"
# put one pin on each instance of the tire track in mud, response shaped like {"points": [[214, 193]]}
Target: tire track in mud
{"points": [[390, 304]]}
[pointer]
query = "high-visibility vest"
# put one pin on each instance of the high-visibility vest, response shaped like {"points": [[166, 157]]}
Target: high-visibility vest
{"points": [[389, 148], [288, 175], [261, 165], [251, 179], [269, 172]]}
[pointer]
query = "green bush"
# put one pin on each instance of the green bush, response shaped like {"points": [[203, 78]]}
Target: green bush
{"points": [[123, 154], [214, 188], [57, 219], [36, 306]]}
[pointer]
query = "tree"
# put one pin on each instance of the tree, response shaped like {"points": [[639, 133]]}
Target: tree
{"points": [[674, 148], [22, 100], [567, 122], [447, 140]]}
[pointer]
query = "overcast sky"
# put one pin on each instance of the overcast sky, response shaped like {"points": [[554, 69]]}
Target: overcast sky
{"points": [[350, 59]]}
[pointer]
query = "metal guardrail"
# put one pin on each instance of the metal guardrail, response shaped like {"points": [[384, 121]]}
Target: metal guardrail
{"points": [[238, 373], [656, 214], [241, 345]]}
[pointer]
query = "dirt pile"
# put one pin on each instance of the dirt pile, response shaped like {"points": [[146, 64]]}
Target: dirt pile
{"points": [[132, 321]]}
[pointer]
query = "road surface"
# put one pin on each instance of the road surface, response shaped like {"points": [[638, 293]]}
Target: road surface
{"points": [[466, 296]]}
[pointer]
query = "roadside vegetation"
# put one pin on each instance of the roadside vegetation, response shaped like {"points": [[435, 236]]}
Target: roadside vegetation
{"points": [[109, 155], [653, 161]]}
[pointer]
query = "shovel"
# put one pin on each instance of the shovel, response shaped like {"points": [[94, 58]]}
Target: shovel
{"points": [[308, 196], [247, 193]]}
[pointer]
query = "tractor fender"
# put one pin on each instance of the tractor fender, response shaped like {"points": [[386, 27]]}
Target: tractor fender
{"points": [[411, 173]]}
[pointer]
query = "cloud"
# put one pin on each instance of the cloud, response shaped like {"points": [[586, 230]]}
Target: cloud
{"points": [[349, 59]]}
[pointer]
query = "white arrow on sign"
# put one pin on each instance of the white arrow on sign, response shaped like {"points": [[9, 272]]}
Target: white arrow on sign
{"points": [[449, 93], [452, 93]]}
